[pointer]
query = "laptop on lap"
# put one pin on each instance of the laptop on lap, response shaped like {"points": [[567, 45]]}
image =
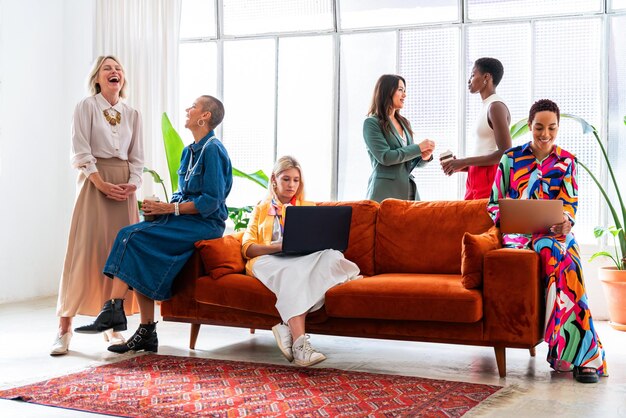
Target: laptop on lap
{"points": [[309, 229], [526, 216]]}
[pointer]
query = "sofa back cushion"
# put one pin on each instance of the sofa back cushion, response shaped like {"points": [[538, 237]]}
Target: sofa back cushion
{"points": [[362, 233], [222, 256], [426, 237]]}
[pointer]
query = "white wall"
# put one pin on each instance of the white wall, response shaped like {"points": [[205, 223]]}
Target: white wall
{"points": [[45, 53]]}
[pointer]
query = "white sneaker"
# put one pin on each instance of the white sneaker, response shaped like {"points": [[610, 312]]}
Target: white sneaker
{"points": [[304, 354], [282, 334], [113, 337], [61, 344]]}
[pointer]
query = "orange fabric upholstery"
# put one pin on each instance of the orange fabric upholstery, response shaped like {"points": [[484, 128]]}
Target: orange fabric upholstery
{"points": [[362, 233], [425, 261], [425, 237], [237, 291], [473, 252], [222, 256], [513, 296], [419, 297]]}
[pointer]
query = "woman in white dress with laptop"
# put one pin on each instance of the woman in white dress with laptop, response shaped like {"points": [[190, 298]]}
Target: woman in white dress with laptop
{"points": [[299, 282]]}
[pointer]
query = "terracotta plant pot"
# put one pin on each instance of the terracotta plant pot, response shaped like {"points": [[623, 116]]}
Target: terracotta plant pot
{"points": [[614, 285]]}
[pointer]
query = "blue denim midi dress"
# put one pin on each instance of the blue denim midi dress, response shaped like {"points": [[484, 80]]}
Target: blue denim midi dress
{"points": [[148, 255]]}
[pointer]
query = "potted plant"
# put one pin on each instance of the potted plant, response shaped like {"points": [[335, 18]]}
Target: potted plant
{"points": [[613, 277], [173, 150]]}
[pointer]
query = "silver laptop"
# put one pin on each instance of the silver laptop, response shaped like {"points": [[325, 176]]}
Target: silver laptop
{"points": [[527, 216]]}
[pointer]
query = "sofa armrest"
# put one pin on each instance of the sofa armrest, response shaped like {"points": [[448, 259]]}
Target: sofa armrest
{"points": [[183, 301], [513, 297]]}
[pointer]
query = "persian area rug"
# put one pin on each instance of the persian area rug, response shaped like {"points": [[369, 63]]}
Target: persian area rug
{"points": [[170, 386]]}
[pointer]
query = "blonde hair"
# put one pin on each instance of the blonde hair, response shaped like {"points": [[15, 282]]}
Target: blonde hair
{"points": [[94, 87], [284, 163]]}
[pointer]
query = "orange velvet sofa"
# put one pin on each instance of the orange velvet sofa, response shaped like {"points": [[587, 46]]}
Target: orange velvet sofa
{"points": [[433, 272]]}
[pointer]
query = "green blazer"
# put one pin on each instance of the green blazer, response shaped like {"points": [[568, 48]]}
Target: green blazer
{"points": [[392, 162]]}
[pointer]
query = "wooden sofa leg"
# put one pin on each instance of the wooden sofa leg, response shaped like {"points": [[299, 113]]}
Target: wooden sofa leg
{"points": [[533, 352], [252, 330], [195, 330], [501, 360]]}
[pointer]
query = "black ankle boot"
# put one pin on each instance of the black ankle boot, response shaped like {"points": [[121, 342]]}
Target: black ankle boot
{"points": [[145, 338], [110, 317]]}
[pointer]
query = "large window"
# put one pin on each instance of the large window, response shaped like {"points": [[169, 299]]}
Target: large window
{"points": [[297, 78]]}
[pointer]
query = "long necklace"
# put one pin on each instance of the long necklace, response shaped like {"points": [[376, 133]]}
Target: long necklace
{"points": [[192, 167], [112, 116]]}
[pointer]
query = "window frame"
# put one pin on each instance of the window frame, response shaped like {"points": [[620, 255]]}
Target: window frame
{"points": [[464, 22]]}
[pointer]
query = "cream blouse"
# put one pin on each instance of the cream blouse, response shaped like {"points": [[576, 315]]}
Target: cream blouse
{"points": [[94, 137]]}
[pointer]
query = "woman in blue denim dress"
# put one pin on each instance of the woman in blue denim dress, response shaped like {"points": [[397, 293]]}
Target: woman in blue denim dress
{"points": [[147, 256]]}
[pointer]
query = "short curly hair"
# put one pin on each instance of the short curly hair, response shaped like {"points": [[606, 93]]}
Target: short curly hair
{"points": [[492, 66], [541, 106]]}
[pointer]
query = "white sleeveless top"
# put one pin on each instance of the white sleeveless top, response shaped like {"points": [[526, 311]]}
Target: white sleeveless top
{"points": [[485, 137]]}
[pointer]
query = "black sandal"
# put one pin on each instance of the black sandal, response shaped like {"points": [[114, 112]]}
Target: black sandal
{"points": [[585, 374]]}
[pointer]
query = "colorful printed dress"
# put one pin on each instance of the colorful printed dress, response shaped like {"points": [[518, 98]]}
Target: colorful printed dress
{"points": [[569, 330]]}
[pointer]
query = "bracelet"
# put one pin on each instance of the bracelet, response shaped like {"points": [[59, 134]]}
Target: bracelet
{"points": [[176, 209]]}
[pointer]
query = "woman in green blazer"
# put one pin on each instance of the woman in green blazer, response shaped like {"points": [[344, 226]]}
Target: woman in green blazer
{"points": [[389, 141]]}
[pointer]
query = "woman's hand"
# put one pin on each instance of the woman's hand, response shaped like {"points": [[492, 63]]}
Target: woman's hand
{"points": [[452, 165], [128, 188], [427, 147], [150, 207], [110, 190], [563, 228]]}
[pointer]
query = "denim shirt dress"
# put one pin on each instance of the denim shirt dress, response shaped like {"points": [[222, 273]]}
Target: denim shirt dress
{"points": [[147, 256]]}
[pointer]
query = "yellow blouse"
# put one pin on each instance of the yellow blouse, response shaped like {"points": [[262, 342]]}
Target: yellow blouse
{"points": [[260, 228]]}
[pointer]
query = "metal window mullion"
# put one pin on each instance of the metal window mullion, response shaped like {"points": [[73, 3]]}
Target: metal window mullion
{"points": [[334, 177], [398, 36], [219, 18], [462, 129], [276, 62], [603, 210]]}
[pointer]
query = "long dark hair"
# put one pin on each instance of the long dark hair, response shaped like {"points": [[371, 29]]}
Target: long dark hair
{"points": [[382, 100]]}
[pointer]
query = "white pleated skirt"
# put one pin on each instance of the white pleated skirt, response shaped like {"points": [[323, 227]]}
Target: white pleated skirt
{"points": [[300, 282]]}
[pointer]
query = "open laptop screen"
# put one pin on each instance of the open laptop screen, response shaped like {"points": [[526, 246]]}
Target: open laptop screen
{"points": [[314, 228]]}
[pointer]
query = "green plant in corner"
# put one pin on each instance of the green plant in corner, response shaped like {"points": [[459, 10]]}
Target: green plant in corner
{"points": [[173, 150], [617, 231]]}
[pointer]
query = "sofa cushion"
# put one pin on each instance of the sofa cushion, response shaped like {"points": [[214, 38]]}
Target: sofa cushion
{"points": [[472, 255], [362, 233], [237, 291], [426, 237], [420, 297], [222, 256]]}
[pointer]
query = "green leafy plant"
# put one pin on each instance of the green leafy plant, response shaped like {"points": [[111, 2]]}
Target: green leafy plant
{"points": [[173, 150], [617, 231]]}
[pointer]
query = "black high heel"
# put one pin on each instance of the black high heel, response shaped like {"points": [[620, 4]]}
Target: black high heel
{"points": [[111, 316], [145, 338]]}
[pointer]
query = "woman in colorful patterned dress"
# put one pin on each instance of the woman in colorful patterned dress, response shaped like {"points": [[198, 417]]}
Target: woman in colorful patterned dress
{"points": [[542, 170]]}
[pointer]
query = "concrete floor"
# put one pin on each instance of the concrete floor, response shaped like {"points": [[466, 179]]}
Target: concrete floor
{"points": [[28, 329]]}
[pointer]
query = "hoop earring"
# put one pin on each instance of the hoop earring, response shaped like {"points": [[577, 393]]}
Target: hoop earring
{"points": [[201, 124], [485, 82]]}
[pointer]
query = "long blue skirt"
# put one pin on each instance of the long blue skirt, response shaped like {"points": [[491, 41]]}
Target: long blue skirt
{"points": [[148, 255]]}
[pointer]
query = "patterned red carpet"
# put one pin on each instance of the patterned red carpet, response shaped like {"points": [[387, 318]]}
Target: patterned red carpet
{"points": [[168, 386]]}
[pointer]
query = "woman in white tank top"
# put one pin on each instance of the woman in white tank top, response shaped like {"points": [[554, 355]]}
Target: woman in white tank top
{"points": [[492, 131]]}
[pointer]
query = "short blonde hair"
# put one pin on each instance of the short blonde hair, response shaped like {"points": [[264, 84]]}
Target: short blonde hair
{"points": [[284, 163], [94, 87]]}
